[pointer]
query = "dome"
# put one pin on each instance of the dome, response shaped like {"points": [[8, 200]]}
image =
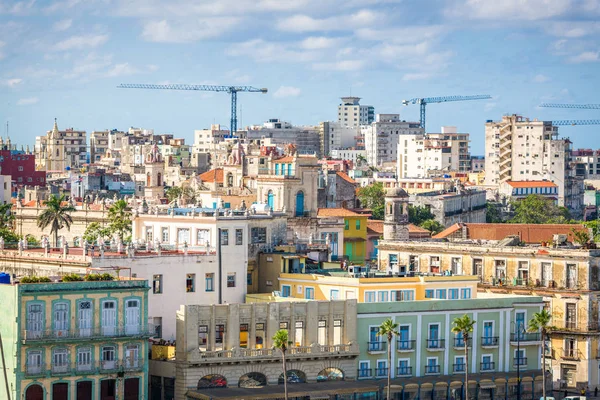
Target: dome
{"points": [[396, 192]]}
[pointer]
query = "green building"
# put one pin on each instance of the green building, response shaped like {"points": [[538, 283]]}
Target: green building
{"points": [[83, 340]]}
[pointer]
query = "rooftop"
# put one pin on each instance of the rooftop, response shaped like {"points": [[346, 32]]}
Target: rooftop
{"points": [[212, 175], [338, 212], [528, 233], [531, 184]]}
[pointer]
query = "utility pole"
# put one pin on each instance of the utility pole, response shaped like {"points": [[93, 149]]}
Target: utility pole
{"points": [[518, 363], [4, 367]]}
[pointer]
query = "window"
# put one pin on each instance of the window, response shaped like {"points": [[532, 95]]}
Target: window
{"points": [[363, 369], [453, 293], [337, 331], [259, 331], [465, 293], [298, 333], [61, 318], [258, 235], [190, 283], [309, 293], [322, 333], [157, 286], [239, 237], [35, 321], [219, 333], [432, 366], [149, 234], [440, 293], [244, 336], [224, 237], [164, 234], [84, 359], [210, 282], [520, 358], [132, 356], [202, 337], [434, 264], [108, 357], [358, 224], [285, 291], [429, 294], [346, 225], [459, 364], [231, 279], [109, 317], [334, 294], [34, 362], [370, 297], [202, 237], [571, 316]]}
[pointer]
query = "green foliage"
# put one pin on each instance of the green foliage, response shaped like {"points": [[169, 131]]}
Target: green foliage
{"points": [[119, 219], [99, 277], [372, 197], [56, 215], [186, 193], [9, 236], [492, 213], [388, 329], [72, 278], [432, 226], [463, 325], [418, 214], [32, 241], [35, 279], [595, 227], [581, 237], [173, 193], [93, 231], [540, 322], [281, 340], [535, 209], [6, 216]]}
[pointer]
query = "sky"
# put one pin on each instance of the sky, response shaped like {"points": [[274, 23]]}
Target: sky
{"points": [[64, 59]]}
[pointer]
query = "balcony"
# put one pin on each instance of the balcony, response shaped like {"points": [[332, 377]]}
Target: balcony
{"points": [[364, 373], [459, 343], [294, 353], [522, 361], [436, 344], [525, 339], [62, 369], [571, 354], [405, 345], [489, 341], [404, 371], [432, 369], [376, 347], [89, 334], [459, 367], [488, 366], [381, 372]]}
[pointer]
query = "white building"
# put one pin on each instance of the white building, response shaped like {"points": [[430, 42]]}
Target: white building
{"points": [[5, 189], [520, 149], [587, 163], [306, 138], [205, 140], [335, 136], [420, 154], [351, 113], [381, 137], [347, 154]]}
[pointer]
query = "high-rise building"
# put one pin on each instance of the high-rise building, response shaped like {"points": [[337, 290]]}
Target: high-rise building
{"points": [[381, 137], [351, 113], [61, 150], [520, 149]]}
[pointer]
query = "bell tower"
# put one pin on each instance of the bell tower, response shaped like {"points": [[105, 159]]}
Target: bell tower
{"points": [[395, 225]]}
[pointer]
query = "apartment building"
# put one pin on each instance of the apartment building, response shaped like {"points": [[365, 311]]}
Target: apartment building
{"points": [[520, 149], [420, 154], [205, 140], [428, 360], [98, 145], [458, 205], [565, 277], [351, 113], [519, 190], [76, 340], [307, 139], [59, 150], [586, 163], [382, 136], [337, 136]]}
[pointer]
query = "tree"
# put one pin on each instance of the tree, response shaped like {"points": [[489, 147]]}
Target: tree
{"points": [[360, 159], [173, 193], [6, 216], [541, 323], [535, 209], [388, 329], [9, 235], [595, 227], [281, 342], [94, 230], [464, 326], [119, 218], [432, 226], [372, 197], [419, 214], [581, 237], [56, 215], [493, 215]]}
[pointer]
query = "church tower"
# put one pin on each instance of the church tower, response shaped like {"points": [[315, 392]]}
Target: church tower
{"points": [[155, 172], [395, 225]]}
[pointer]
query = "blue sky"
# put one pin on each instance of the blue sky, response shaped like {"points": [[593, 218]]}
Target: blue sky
{"points": [[65, 58]]}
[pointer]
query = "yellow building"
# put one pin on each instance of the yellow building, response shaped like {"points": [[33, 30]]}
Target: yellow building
{"points": [[380, 288], [355, 232]]}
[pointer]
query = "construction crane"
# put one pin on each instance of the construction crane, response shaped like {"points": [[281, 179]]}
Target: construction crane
{"points": [[233, 90], [578, 106], [424, 101], [574, 122]]}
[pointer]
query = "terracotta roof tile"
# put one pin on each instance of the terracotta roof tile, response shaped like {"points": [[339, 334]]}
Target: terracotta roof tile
{"points": [[374, 226], [337, 212], [531, 184], [286, 159], [412, 228], [345, 177], [210, 176], [447, 232]]}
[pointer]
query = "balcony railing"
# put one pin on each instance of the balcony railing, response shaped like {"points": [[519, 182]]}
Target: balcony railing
{"points": [[488, 366], [404, 371], [520, 361], [459, 367], [488, 341], [376, 346], [365, 373], [525, 337], [48, 370], [87, 334], [436, 344], [571, 354], [381, 372], [432, 369], [292, 352], [459, 343], [405, 345]]}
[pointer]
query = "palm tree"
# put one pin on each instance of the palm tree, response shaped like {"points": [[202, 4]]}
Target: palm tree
{"points": [[120, 218], [281, 342], [464, 326], [388, 329], [56, 215], [541, 323]]}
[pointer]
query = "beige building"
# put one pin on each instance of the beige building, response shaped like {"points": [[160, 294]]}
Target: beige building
{"points": [[98, 145], [59, 150], [565, 277]]}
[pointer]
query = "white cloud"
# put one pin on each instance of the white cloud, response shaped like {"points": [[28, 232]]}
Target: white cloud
{"points": [[174, 32], [11, 82], [407, 34], [287, 91], [539, 78], [416, 76], [343, 65], [92, 65], [17, 8], [264, 51], [121, 70], [586, 56], [529, 10], [348, 22], [319, 42], [62, 25], [27, 101], [83, 42]]}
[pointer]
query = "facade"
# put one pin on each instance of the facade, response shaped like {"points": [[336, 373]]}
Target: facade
{"points": [[98, 145], [21, 166], [307, 139], [230, 346], [84, 340], [477, 164], [205, 140], [566, 279], [424, 185], [350, 154], [59, 150], [428, 360], [463, 205], [336, 136], [420, 154], [355, 232], [382, 137], [519, 149], [5, 189], [351, 113], [586, 163], [512, 190], [340, 190]]}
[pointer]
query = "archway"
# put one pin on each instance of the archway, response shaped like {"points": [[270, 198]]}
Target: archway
{"points": [[300, 204], [212, 381], [270, 199], [229, 179], [293, 376], [159, 179], [253, 380], [34, 392], [330, 374]]}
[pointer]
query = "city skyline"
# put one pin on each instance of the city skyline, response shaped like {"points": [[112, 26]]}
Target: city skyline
{"points": [[64, 59]]}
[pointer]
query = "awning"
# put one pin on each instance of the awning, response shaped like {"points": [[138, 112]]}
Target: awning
{"points": [[487, 385]]}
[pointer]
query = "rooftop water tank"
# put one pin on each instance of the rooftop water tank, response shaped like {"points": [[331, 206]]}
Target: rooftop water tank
{"points": [[4, 278]]}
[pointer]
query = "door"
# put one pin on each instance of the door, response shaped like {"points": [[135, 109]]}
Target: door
{"points": [[132, 356], [84, 390], [60, 391], [34, 321], [109, 318], [404, 338], [107, 389], [434, 336], [34, 392], [85, 318], [61, 319], [132, 317], [520, 324], [132, 389], [34, 362], [300, 204], [488, 333], [270, 199]]}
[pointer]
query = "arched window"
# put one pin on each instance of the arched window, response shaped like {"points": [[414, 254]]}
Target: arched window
{"points": [[159, 179], [230, 180], [253, 380], [270, 199], [300, 204], [293, 376], [148, 179], [34, 392], [212, 381], [330, 374]]}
